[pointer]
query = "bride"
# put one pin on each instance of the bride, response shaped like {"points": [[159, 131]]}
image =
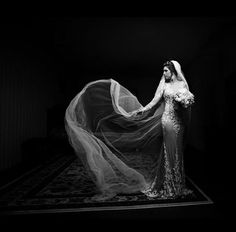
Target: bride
{"points": [[126, 147]]}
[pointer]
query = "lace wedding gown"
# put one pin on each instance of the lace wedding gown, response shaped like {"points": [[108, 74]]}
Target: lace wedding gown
{"points": [[170, 179], [124, 153]]}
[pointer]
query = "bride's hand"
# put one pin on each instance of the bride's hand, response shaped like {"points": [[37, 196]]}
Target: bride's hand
{"points": [[134, 113], [138, 112]]}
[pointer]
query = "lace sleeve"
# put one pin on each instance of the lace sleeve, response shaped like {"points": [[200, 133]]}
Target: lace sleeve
{"points": [[157, 97]]}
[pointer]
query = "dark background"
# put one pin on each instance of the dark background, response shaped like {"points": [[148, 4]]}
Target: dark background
{"points": [[46, 61]]}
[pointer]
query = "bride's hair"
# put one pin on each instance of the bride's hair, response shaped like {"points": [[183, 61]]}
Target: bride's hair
{"points": [[171, 67]]}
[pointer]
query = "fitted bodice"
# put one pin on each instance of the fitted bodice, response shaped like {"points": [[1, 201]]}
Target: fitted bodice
{"points": [[170, 104], [172, 113]]}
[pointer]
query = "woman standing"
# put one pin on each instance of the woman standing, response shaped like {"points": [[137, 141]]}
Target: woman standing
{"points": [[171, 182], [126, 147]]}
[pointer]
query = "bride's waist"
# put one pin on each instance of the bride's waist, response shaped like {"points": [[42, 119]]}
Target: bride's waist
{"points": [[170, 108], [169, 113]]}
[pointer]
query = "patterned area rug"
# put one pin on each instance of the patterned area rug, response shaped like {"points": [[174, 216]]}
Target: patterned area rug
{"points": [[63, 184]]}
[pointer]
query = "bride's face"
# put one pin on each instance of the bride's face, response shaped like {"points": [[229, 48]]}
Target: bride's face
{"points": [[167, 74]]}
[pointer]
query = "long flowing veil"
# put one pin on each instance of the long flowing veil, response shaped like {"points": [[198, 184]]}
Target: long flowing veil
{"points": [[120, 151], [187, 111]]}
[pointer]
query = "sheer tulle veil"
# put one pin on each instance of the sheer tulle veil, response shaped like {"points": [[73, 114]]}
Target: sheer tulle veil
{"points": [[120, 151], [179, 72], [187, 112]]}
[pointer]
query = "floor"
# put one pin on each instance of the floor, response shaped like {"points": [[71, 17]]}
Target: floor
{"points": [[216, 213]]}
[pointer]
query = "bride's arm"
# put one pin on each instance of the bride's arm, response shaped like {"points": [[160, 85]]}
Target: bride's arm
{"points": [[154, 101], [157, 97]]}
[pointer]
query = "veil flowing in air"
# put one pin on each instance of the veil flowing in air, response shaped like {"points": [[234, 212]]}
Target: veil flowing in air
{"points": [[120, 152]]}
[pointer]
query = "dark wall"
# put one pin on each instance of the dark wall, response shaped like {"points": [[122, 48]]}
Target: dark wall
{"points": [[28, 87], [213, 82], [129, 49]]}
